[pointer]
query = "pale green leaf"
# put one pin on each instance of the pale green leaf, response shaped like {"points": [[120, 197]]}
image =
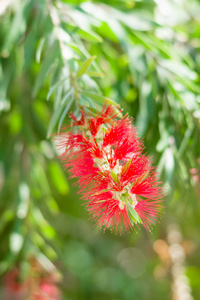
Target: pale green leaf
{"points": [[101, 99], [95, 74], [85, 66], [46, 66], [54, 87], [58, 111], [135, 217], [114, 176], [65, 113]]}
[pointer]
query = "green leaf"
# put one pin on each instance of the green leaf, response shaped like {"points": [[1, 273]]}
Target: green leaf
{"points": [[190, 84], [46, 66], [127, 165], [65, 113], [133, 214], [90, 36], [58, 112], [178, 68], [54, 87], [136, 21], [184, 142], [85, 66], [31, 39], [154, 44], [114, 176], [17, 27], [39, 49], [95, 74], [101, 99]]}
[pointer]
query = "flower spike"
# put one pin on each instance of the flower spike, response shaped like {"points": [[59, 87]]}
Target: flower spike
{"points": [[117, 181]]}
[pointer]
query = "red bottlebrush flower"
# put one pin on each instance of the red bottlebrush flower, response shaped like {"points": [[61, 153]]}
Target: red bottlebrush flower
{"points": [[38, 284], [13, 287], [117, 181]]}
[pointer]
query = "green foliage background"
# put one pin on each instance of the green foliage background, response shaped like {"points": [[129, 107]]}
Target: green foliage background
{"points": [[145, 56]]}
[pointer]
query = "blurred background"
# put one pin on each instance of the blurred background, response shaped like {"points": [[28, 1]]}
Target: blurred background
{"points": [[148, 61]]}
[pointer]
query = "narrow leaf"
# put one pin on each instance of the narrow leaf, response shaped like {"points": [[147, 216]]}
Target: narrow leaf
{"points": [[85, 66], [46, 65], [134, 214], [54, 87], [39, 49], [184, 142], [114, 176], [95, 74], [69, 104], [127, 165], [90, 36], [101, 99], [58, 112]]}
